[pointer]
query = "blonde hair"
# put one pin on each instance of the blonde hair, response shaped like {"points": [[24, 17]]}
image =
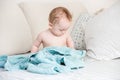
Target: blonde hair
{"points": [[56, 13]]}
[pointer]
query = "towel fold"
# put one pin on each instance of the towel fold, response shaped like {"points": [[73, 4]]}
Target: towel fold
{"points": [[49, 60]]}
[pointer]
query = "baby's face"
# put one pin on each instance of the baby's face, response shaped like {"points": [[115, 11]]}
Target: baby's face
{"points": [[61, 27]]}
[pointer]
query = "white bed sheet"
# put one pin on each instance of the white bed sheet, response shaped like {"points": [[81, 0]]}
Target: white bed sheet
{"points": [[94, 70]]}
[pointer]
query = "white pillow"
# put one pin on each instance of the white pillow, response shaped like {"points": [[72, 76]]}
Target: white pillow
{"points": [[15, 35], [37, 12], [78, 31], [102, 34]]}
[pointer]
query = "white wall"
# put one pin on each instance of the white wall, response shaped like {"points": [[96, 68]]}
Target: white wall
{"points": [[96, 5], [91, 5]]}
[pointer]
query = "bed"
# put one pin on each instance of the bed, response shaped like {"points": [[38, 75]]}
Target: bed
{"points": [[93, 70]]}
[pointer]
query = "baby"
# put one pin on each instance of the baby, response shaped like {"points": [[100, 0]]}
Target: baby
{"points": [[57, 33]]}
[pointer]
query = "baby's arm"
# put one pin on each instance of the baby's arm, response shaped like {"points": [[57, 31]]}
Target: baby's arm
{"points": [[70, 42], [36, 44]]}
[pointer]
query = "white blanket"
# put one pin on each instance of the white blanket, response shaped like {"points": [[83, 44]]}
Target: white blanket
{"points": [[94, 70]]}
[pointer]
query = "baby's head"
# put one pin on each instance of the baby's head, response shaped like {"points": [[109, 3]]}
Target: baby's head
{"points": [[60, 20]]}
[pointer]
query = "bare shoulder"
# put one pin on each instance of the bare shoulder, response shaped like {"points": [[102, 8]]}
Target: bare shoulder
{"points": [[42, 33]]}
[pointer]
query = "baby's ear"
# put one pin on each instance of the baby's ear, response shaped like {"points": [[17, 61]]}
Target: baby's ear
{"points": [[50, 24]]}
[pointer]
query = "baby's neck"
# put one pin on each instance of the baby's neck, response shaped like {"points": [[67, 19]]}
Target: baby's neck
{"points": [[53, 33]]}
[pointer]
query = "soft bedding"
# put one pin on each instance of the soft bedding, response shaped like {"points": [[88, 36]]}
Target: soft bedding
{"points": [[93, 70], [49, 60]]}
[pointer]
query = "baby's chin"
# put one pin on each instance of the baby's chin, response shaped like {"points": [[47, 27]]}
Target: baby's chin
{"points": [[59, 34]]}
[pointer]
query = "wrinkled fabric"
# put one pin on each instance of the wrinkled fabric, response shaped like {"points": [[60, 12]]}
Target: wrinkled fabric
{"points": [[49, 60]]}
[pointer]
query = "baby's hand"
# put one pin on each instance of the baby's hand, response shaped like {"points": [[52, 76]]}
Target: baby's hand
{"points": [[34, 49]]}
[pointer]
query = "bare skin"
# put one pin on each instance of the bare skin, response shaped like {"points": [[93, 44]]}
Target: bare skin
{"points": [[56, 35]]}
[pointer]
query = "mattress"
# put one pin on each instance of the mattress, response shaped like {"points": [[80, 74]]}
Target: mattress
{"points": [[93, 70]]}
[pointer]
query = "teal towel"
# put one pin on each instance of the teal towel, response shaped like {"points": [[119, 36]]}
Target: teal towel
{"points": [[49, 60]]}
